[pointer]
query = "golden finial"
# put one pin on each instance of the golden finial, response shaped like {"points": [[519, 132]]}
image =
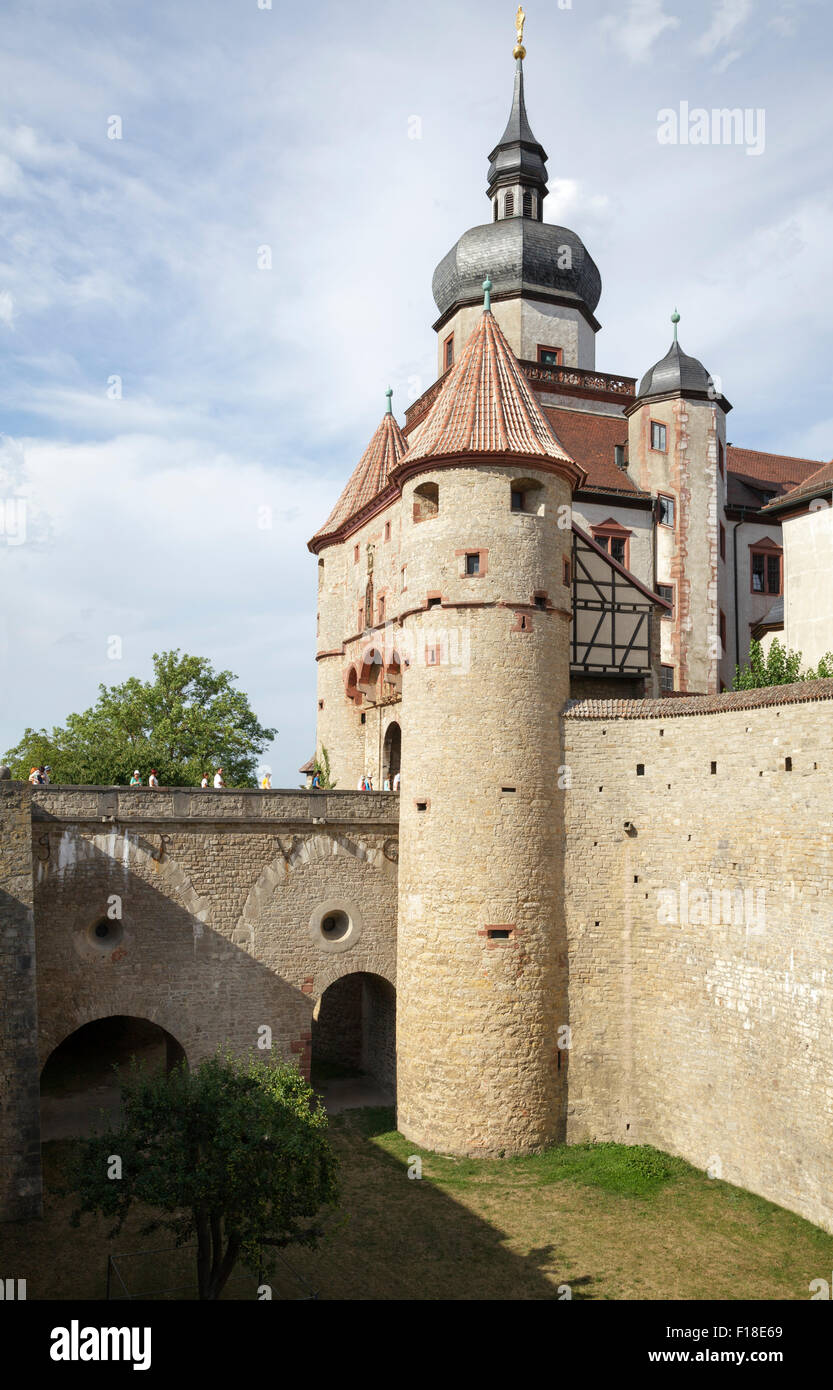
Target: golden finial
{"points": [[520, 19]]}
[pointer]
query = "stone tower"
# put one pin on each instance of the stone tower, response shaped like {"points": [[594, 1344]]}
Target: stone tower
{"points": [[486, 492], [676, 452]]}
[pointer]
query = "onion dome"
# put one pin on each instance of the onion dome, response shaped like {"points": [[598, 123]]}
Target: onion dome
{"points": [[368, 478], [486, 407], [519, 251], [677, 374]]}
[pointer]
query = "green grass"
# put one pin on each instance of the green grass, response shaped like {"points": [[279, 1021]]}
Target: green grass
{"points": [[610, 1221]]}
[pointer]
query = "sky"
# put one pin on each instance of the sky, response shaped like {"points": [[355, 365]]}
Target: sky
{"points": [[219, 220]]}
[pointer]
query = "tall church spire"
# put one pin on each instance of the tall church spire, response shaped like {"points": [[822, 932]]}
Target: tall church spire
{"points": [[517, 164]]}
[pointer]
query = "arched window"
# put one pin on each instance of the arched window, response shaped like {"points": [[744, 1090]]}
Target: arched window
{"points": [[529, 203], [426, 501], [351, 687], [371, 670], [527, 495], [509, 205]]}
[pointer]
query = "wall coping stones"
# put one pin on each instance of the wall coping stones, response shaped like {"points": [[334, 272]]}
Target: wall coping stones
{"points": [[213, 805], [681, 706]]}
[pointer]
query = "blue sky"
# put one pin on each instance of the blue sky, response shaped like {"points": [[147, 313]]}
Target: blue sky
{"points": [[171, 508]]}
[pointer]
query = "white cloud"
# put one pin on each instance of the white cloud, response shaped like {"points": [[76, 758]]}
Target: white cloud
{"points": [[727, 17], [638, 29]]}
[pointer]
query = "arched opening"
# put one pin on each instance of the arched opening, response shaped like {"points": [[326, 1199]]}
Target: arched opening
{"points": [[393, 675], [509, 205], [372, 663], [80, 1077], [354, 1042], [351, 686], [391, 754], [528, 203], [426, 501]]}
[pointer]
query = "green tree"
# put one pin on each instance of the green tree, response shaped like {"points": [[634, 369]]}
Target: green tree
{"points": [[778, 667], [187, 720], [233, 1155], [322, 767]]}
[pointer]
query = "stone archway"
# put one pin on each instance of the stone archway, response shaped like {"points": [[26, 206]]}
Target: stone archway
{"points": [[391, 753], [80, 1077], [354, 1041]]}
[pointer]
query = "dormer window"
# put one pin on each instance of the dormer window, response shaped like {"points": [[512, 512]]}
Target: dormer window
{"points": [[509, 205]]}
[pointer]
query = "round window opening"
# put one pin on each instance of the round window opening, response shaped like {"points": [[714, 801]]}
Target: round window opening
{"points": [[335, 926], [106, 934]]}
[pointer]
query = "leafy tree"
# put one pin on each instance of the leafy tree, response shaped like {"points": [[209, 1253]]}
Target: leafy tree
{"points": [[187, 720], [778, 667], [233, 1154]]}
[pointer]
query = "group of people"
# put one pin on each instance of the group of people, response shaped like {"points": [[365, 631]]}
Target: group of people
{"points": [[39, 776], [153, 779], [365, 783]]}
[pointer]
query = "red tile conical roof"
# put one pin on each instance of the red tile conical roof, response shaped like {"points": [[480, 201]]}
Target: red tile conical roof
{"points": [[486, 407], [370, 475]]}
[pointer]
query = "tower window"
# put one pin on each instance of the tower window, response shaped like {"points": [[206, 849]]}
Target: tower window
{"points": [[527, 495], [550, 356], [509, 205], [473, 562], [540, 600], [529, 203], [666, 591], [666, 510], [666, 677], [448, 352], [659, 437], [426, 501]]}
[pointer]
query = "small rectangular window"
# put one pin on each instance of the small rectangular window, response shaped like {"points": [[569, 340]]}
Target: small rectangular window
{"points": [[550, 356], [422, 805], [666, 677], [361, 617], [766, 572], [617, 549], [659, 437], [566, 571], [473, 563], [517, 501], [666, 591], [640, 769], [387, 530], [499, 933], [720, 464], [448, 352], [666, 510], [541, 599], [403, 574], [434, 602], [722, 541], [355, 554], [722, 633], [381, 609]]}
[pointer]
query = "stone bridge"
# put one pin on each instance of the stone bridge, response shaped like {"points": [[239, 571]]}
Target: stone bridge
{"points": [[221, 916]]}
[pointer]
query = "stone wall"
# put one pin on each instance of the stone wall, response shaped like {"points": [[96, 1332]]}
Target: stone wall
{"points": [[20, 1183], [217, 893], [708, 1035]]}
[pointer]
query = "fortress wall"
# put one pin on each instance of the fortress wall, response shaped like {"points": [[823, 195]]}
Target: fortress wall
{"points": [[702, 1024], [216, 893], [20, 1178]]}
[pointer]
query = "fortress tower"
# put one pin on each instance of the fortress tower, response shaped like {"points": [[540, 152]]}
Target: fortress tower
{"points": [[481, 939]]}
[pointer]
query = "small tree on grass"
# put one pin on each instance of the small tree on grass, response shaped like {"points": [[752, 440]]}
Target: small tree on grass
{"points": [[233, 1154]]}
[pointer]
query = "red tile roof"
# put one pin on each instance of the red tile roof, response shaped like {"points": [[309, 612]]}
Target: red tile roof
{"points": [[591, 440], [802, 692], [486, 406], [769, 468], [370, 475], [815, 485]]}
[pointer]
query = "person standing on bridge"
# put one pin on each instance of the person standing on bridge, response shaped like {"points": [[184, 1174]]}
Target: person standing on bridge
{"points": [[218, 778], [204, 782], [153, 780], [136, 779]]}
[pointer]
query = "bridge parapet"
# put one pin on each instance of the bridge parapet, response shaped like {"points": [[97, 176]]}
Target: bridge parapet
{"points": [[127, 805]]}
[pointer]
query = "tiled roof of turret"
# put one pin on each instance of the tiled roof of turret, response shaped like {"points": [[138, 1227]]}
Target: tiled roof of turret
{"points": [[486, 407], [369, 476]]}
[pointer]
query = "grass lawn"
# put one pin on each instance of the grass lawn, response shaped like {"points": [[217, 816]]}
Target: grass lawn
{"points": [[612, 1222]]}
